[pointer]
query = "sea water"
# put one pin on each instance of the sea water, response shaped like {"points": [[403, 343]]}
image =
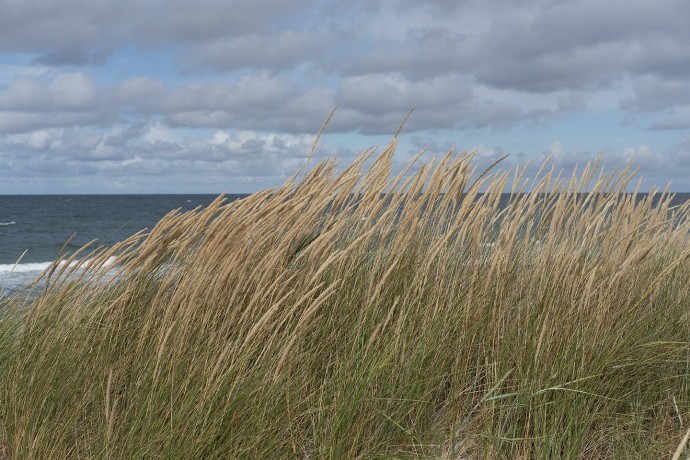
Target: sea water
{"points": [[36, 230]]}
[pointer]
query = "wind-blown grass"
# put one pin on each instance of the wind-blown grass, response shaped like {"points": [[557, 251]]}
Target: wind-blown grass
{"points": [[354, 315]]}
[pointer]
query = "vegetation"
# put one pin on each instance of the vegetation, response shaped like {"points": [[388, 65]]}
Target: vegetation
{"points": [[354, 315]]}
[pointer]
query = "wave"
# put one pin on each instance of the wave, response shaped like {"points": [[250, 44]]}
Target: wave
{"points": [[23, 268], [41, 266], [16, 277], [7, 223]]}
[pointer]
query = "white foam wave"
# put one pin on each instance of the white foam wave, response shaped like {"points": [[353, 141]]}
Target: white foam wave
{"points": [[23, 268], [7, 223], [40, 266], [17, 276]]}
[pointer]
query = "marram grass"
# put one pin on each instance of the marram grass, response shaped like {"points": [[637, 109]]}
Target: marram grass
{"points": [[356, 315]]}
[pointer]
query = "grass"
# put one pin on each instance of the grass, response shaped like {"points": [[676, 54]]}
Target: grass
{"points": [[357, 315]]}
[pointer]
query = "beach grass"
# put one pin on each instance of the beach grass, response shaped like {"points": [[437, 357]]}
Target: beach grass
{"points": [[353, 315]]}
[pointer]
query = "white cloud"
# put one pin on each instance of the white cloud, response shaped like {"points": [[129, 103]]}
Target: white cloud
{"points": [[40, 140], [31, 104], [73, 91], [247, 142], [219, 138], [556, 148], [257, 157], [158, 132], [484, 152], [650, 162]]}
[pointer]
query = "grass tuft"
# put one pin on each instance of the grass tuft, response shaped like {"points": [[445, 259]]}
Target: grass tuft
{"points": [[358, 315]]}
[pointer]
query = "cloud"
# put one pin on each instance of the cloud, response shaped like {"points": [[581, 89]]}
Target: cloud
{"points": [[654, 94], [68, 99], [530, 45], [643, 157], [260, 91], [141, 94], [571, 101], [535, 46], [76, 56], [556, 148], [61, 30], [656, 167], [370, 104], [12, 72], [194, 20], [156, 146], [259, 102], [278, 51], [254, 102], [378, 94], [665, 56], [377, 103], [68, 92], [673, 120], [82, 32], [668, 100], [19, 122], [40, 140], [130, 86]]}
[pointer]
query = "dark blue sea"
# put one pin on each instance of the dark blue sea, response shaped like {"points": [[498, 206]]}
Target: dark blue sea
{"points": [[35, 228]]}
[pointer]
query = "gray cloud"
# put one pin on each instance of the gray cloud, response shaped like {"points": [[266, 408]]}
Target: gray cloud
{"points": [[257, 102], [376, 104], [141, 94], [82, 32], [260, 92], [665, 56], [274, 51], [260, 102], [19, 122], [279, 66], [369, 104], [542, 46], [381, 94], [673, 120], [195, 20], [76, 56], [533, 45], [668, 99], [652, 94]]}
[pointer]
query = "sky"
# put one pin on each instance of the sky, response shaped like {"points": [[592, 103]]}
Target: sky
{"points": [[212, 96]]}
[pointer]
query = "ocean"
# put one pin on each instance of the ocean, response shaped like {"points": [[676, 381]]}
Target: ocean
{"points": [[34, 228]]}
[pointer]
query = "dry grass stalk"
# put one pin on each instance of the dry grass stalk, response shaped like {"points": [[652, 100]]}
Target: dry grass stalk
{"points": [[352, 315]]}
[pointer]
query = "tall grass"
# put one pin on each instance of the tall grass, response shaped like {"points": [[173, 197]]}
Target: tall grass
{"points": [[359, 315]]}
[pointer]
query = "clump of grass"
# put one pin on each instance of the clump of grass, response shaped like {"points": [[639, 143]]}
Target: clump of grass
{"points": [[358, 315]]}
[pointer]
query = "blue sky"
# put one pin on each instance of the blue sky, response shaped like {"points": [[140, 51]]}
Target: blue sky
{"points": [[211, 96]]}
